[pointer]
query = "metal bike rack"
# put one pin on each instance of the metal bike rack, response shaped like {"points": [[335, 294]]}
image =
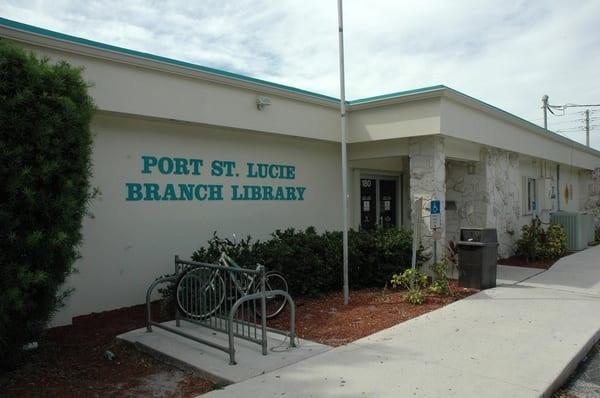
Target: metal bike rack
{"points": [[235, 310]]}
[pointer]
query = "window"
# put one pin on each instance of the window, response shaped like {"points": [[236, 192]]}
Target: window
{"points": [[532, 202]]}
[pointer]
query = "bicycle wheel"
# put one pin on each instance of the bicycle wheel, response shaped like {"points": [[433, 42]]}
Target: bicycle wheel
{"points": [[199, 292], [275, 303]]}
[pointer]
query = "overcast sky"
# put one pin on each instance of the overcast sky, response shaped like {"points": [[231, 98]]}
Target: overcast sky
{"points": [[507, 53]]}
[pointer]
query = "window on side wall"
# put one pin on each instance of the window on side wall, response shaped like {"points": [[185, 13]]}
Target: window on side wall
{"points": [[530, 195]]}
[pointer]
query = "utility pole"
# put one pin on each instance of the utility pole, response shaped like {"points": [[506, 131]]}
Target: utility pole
{"points": [[587, 127], [545, 108]]}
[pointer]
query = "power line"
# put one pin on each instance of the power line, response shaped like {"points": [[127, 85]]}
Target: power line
{"points": [[561, 110], [569, 121], [573, 130], [565, 106]]}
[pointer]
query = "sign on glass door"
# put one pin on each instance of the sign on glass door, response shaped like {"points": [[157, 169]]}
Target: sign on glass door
{"points": [[378, 202]]}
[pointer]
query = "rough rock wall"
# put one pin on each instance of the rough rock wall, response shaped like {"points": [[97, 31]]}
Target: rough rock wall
{"points": [[503, 206], [427, 160], [465, 186], [591, 194], [486, 194]]}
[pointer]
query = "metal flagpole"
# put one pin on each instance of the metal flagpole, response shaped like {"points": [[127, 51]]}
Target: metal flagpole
{"points": [[344, 165]]}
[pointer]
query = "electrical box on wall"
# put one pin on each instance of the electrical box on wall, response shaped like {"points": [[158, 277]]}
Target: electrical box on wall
{"points": [[549, 188]]}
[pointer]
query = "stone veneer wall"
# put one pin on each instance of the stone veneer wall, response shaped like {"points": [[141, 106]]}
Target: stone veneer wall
{"points": [[504, 200], [591, 194], [427, 180], [486, 194], [465, 186]]}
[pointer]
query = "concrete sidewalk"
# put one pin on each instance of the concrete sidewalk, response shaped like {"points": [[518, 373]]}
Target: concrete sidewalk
{"points": [[214, 364], [520, 340]]}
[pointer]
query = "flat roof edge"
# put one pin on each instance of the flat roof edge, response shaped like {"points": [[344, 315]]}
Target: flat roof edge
{"points": [[234, 79], [18, 26], [396, 95], [519, 120]]}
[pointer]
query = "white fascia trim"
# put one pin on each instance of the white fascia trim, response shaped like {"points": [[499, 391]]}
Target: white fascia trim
{"points": [[114, 56]]}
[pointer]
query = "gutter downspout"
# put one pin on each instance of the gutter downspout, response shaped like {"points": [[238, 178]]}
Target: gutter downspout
{"points": [[557, 187]]}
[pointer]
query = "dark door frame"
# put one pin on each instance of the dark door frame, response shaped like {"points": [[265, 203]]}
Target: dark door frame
{"points": [[382, 175]]}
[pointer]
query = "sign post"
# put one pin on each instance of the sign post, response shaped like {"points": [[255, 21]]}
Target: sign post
{"points": [[416, 230], [435, 224], [416, 234]]}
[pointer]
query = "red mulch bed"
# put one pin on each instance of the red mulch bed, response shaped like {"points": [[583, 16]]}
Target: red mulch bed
{"points": [[70, 360], [522, 262], [70, 363], [328, 321]]}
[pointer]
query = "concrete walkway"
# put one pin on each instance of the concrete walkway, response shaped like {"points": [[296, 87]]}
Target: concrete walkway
{"points": [[214, 364], [519, 340]]}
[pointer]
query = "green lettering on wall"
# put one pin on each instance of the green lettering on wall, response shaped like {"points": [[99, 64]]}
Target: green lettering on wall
{"points": [[134, 191], [148, 162], [151, 192], [178, 166], [169, 193], [186, 191]]}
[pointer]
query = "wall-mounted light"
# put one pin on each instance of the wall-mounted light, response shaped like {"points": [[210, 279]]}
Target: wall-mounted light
{"points": [[471, 168], [261, 102]]}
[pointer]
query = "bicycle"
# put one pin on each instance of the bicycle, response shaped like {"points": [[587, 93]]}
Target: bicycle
{"points": [[201, 291]]}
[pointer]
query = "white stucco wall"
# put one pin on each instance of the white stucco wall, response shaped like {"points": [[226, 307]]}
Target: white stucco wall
{"points": [[545, 172], [471, 121], [128, 244], [415, 118], [173, 93]]}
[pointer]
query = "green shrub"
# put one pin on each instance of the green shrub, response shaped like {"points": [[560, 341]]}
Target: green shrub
{"points": [[409, 278], [440, 284], [536, 243], [555, 244], [243, 251], [312, 262], [414, 282], [415, 296], [45, 150]]}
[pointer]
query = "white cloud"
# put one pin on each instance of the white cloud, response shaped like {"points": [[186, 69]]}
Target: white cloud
{"points": [[507, 53]]}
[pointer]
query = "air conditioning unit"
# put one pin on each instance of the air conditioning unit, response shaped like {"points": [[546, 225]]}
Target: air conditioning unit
{"points": [[578, 226]]}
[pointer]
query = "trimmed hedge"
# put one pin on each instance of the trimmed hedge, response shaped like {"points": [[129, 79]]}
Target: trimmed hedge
{"points": [[312, 262], [45, 149]]}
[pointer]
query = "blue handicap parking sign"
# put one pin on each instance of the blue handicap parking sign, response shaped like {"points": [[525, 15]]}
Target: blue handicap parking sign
{"points": [[435, 207]]}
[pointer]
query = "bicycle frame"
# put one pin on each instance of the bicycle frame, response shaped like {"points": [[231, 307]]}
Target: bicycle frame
{"points": [[230, 321], [228, 262]]}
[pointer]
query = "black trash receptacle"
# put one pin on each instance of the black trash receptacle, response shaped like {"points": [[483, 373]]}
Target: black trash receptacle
{"points": [[477, 257]]}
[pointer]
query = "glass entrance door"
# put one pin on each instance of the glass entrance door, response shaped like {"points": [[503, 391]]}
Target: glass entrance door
{"points": [[368, 203], [378, 202], [387, 203]]}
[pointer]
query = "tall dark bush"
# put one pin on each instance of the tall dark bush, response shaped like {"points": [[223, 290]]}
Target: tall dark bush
{"points": [[309, 261], [45, 148], [312, 262]]}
